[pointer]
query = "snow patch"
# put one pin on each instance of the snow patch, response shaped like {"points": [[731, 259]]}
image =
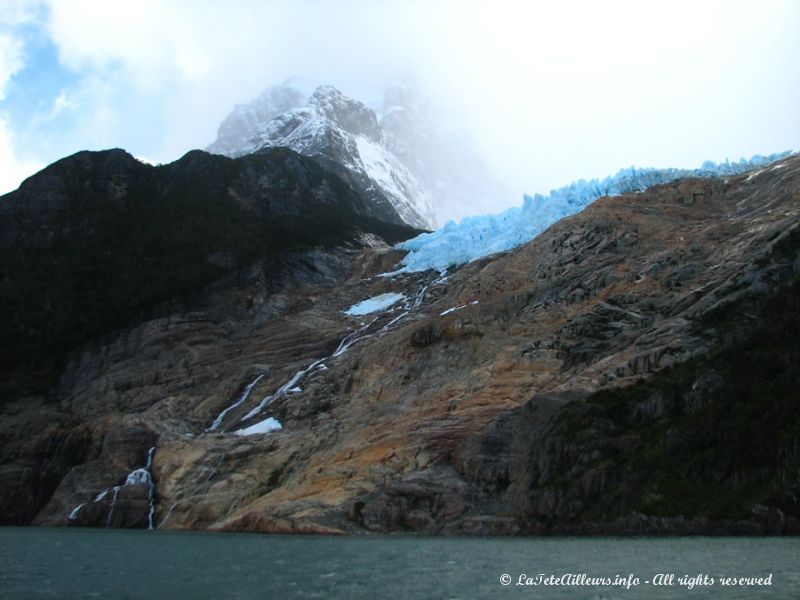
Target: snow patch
{"points": [[265, 426], [375, 304], [405, 192]]}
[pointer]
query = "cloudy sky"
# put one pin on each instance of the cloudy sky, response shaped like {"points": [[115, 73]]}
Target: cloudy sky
{"points": [[549, 91]]}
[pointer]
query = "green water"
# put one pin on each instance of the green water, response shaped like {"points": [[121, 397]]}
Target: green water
{"points": [[89, 563]]}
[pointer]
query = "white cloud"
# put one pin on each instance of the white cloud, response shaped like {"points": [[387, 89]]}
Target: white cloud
{"points": [[20, 12], [13, 15], [11, 60], [551, 91], [14, 169], [62, 104]]}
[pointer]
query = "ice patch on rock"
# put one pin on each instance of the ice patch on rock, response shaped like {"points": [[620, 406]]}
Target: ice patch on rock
{"points": [[375, 304], [267, 425]]}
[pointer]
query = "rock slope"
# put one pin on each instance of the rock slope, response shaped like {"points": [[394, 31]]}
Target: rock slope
{"points": [[631, 370], [98, 239]]}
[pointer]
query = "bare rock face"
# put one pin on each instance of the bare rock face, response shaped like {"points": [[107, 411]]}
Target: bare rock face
{"points": [[39, 444], [587, 382]]}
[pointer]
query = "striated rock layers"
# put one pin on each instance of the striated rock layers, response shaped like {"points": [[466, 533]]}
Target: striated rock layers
{"points": [[634, 369]]}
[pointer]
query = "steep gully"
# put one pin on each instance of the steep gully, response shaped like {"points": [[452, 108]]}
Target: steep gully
{"points": [[377, 323], [376, 326]]}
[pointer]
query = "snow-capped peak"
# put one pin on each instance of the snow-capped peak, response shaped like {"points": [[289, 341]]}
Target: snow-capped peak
{"points": [[349, 115], [238, 127], [337, 129]]}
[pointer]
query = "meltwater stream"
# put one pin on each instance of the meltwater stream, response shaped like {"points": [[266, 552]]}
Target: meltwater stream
{"points": [[91, 563], [291, 386], [242, 399]]}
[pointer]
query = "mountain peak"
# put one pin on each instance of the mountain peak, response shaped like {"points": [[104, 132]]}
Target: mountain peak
{"points": [[341, 132], [349, 114], [240, 124]]}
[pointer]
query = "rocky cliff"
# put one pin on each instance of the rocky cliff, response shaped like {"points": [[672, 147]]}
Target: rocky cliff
{"points": [[97, 240], [634, 369]]}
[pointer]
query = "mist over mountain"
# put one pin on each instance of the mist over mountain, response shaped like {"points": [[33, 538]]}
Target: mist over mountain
{"points": [[396, 150], [443, 156]]}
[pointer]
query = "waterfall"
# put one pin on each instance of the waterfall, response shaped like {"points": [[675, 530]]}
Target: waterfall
{"points": [[135, 477], [113, 505], [348, 341], [242, 399], [76, 511], [284, 389], [151, 488]]}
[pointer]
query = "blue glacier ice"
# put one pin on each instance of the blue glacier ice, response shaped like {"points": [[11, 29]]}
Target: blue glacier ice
{"points": [[479, 236]]}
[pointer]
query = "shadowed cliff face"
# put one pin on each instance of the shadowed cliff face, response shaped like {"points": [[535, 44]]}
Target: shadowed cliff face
{"points": [[581, 383], [99, 241]]}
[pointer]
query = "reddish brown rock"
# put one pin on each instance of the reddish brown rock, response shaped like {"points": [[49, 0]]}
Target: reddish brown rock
{"points": [[438, 424]]}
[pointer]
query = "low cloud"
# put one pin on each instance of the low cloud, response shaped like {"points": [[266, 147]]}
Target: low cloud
{"points": [[549, 91], [10, 60], [14, 169]]}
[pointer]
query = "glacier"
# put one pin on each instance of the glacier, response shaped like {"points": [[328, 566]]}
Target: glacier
{"points": [[479, 236]]}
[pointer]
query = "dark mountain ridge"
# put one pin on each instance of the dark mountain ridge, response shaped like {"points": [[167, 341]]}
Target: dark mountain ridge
{"points": [[99, 240]]}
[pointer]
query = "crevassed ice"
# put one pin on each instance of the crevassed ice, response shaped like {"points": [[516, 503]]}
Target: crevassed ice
{"points": [[375, 304], [479, 236]]}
